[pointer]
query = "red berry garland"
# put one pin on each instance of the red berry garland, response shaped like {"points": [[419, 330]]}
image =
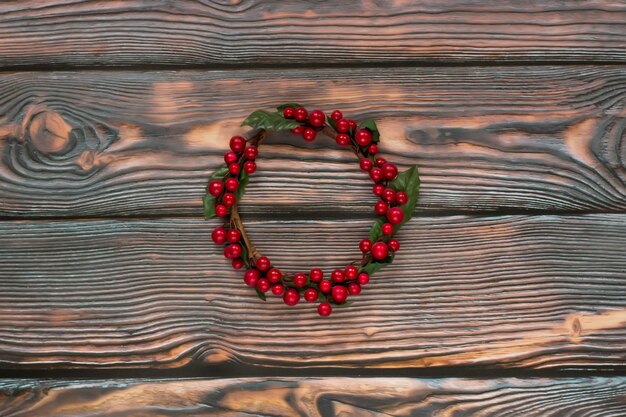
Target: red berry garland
{"points": [[398, 194]]}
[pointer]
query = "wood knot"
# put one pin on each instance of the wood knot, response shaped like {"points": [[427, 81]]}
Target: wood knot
{"points": [[48, 132]]}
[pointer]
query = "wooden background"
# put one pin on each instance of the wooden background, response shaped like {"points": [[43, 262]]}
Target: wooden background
{"points": [[507, 299]]}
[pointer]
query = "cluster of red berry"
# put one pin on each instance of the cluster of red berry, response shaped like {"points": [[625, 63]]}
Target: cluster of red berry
{"points": [[343, 282]]}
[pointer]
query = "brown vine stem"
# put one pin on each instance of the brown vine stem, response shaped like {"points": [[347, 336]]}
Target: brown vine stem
{"points": [[235, 218]]}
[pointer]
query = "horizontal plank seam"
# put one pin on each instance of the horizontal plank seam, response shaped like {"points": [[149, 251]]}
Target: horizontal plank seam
{"points": [[292, 65], [342, 215], [196, 372]]}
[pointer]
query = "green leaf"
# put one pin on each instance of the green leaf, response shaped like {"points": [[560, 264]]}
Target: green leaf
{"points": [[376, 231], [208, 201], [342, 305], [372, 266], [260, 294], [243, 183], [262, 119], [244, 254], [284, 106], [408, 181], [371, 125], [220, 172], [331, 123]]}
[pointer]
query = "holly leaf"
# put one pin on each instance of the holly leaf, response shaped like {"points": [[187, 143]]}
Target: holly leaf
{"points": [[376, 231], [262, 119], [331, 123], [208, 201], [371, 125], [261, 294], [342, 305], [409, 182], [284, 106], [373, 266], [243, 183]]}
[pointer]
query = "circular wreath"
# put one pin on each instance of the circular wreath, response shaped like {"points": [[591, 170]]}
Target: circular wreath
{"points": [[397, 192]]}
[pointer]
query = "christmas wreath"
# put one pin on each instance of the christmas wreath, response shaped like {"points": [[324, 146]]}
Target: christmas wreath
{"points": [[397, 192]]}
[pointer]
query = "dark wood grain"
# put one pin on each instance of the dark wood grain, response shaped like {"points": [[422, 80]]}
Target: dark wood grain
{"points": [[316, 397], [253, 32], [486, 139], [537, 292]]}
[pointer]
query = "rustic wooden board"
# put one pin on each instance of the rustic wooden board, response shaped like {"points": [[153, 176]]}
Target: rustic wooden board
{"points": [[255, 32], [133, 143], [316, 397], [534, 292]]}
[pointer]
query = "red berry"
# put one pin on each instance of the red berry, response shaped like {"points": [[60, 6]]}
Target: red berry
{"points": [[316, 275], [365, 245], [389, 195], [354, 288], [234, 168], [237, 143], [394, 245], [380, 162], [376, 174], [363, 137], [274, 275], [249, 167], [288, 112], [380, 251], [309, 134], [251, 277], [381, 207], [233, 235], [365, 164], [317, 118], [229, 199], [343, 125], [395, 215], [337, 275], [291, 297], [230, 157], [297, 130], [325, 286], [378, 189], [231, 184], [237, 263], [387, 229], [339, 294], [219, 235], [215, 188], [363, 278], [342, 139], [251, 152], [221, 210], [351, 272], [324, 309], [300, 114], [390, 171], [352, 124], [277, 289], [310, 295], [263, 285], [373, 149], [299, 279], [402, 198], [336, 115], [233, 251], [263, 263]]}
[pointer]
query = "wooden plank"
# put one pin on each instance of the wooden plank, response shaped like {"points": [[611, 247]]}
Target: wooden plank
{"points": [[140, 32], [534, 292], [486, 139], [316, 397]]}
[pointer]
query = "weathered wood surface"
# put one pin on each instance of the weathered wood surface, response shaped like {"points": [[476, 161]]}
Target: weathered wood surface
{"points": [[253, 32], [81, 144], [534, 292], [316, 397]]}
